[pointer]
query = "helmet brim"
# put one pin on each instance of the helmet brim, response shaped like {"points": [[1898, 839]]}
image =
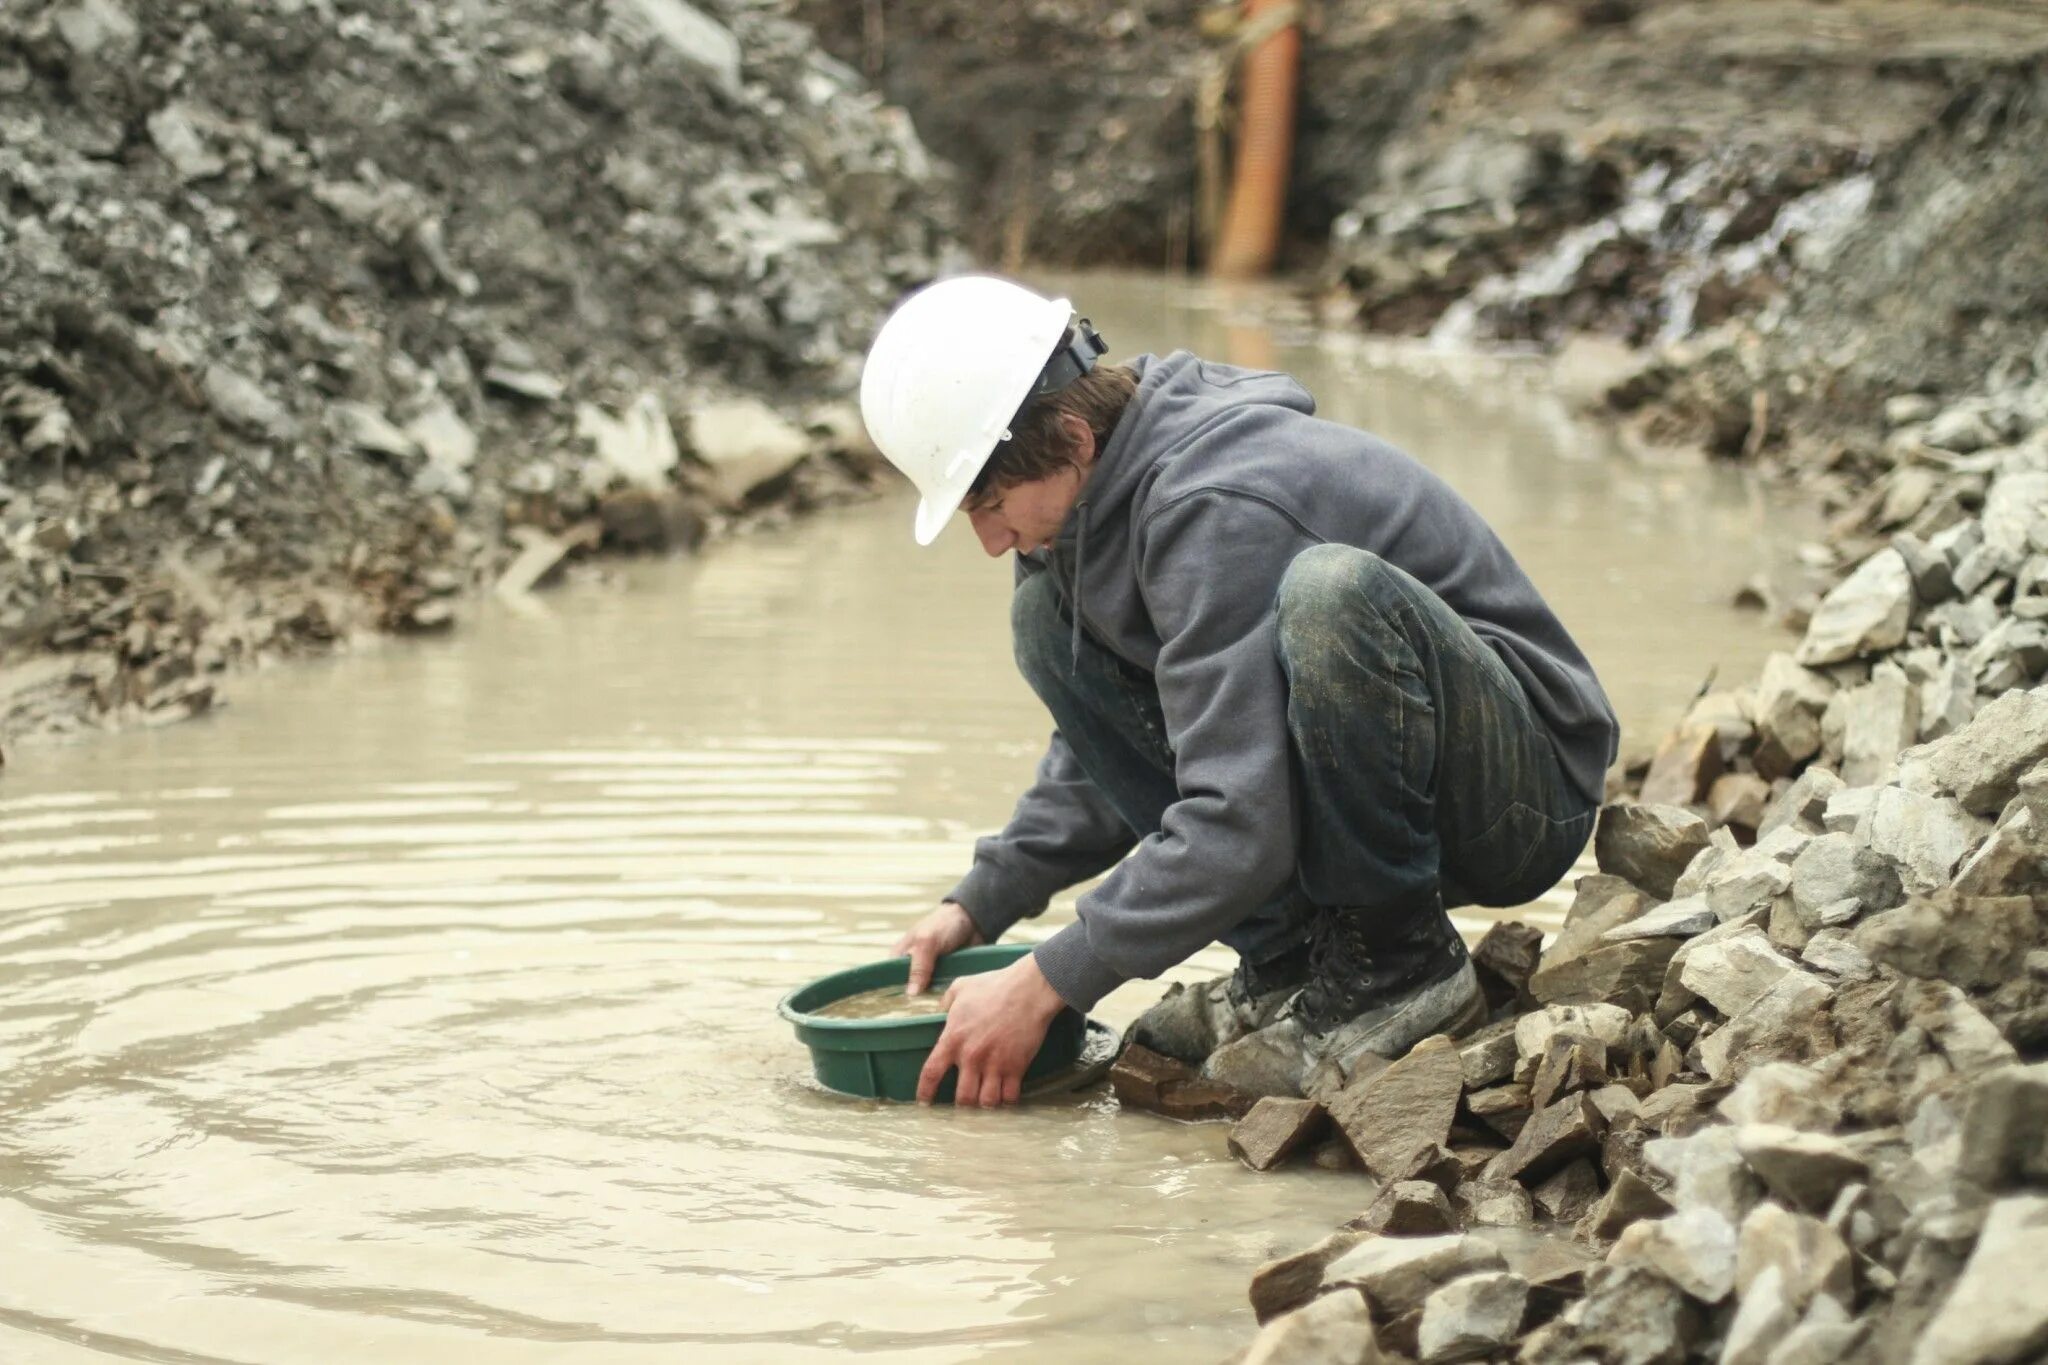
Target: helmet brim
{"points": [[932, 516]]}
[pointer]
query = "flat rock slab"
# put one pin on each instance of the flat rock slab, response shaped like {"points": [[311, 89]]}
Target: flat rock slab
{"points": [[1398, 1273], [1681, 918], [1290, 1281], [1996, 1312], [1275, 1129], [1405, 1108], [1335, 1329], [1648, 845], [1552, 1139], [1144, 1079]]}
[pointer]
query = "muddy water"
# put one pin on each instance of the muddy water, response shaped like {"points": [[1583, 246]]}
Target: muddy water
{"points": [[420, 1006]]}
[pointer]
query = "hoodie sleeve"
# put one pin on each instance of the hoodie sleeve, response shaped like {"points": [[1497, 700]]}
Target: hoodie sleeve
{"points": [[1063, 831], [1210, 566]]}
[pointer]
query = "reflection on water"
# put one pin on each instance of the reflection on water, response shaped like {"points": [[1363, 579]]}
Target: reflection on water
{"points": [[421, 1005]]}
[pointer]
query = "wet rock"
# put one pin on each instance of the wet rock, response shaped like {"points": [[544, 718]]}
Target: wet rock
{"points": [[1866, 613], [1494, 1203], [1648, 845], [1143, 1079], [1806, 1170], [1685, 766], [1981, 764], [1926, 836], [1282, 1285], [1570, 1193], [1553, 1138], [1629, 1199], [1504, 958], [1335, 1329], [1472, 1317], [1409, 1208], [1403, 1109], [1276, 1128], [2004, 1137], [1996, 1312], [1865, 728], [1398, 1273], [1835, 867]]}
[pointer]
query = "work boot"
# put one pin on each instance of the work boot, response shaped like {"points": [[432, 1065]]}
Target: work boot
{"points": [[1380, 982], [1190, 1022]]}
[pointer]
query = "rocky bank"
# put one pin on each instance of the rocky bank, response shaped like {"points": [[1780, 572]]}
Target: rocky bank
{"points": [[318, 315]]}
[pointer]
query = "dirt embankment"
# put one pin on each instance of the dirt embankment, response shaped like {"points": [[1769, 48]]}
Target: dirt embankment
{"points": [[316, 315]]}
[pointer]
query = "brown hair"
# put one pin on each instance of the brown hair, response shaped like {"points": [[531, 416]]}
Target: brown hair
{"points": [[1038, 447]]}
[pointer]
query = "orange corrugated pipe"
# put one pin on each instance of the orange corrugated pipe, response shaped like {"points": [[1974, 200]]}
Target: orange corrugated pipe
{"points": [[1265, 144]]}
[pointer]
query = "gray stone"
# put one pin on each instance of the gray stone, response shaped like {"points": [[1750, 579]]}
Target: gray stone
{"points": [[1275, 1129], [1569, 1194], [1281, 1285], [1933, 576], [1570, 1061], [1981, 764], [243, 404], [1629, 1199], [1693, 1248], [1504, 958], [1865, 613], [1495, 1203], [1806, 1170], [1763, 1315], [1552, 1139], [1631, 1316], [1830, 950], [1647, 845], [1996, 1313], [1825, 1336], [1788, 1022], [1926, 836], [1706, 1170], [1782, 1093], [1398, 1273], [1684, 768], [359, 426], [1738, 800], [174, 129], [442, 436], [1472, 1317], [1405, 1108], [1488, 1056], [1835, 867], [638, 447], [1750, 881], [1801, 804], [2011, 510], [745, 442], [94, 26], [1335, 1329], [1534, 1030], [1948, 699], [1680, 918], [685, 30], [1847, 809], [1789, 702], [1731, 973], [2004, 1129], [1866, 727], [2014, 860], [1409, 1208]]}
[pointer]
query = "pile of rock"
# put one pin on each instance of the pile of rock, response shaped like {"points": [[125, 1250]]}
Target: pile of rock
{"points": [[1778, 1079], [316, 316]]}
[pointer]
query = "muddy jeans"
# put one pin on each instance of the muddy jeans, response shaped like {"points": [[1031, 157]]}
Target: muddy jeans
{"points": [[1423, 778]]}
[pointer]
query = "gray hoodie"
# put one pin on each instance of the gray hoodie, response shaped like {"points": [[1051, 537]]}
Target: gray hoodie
{"points": [[1215, 478]]}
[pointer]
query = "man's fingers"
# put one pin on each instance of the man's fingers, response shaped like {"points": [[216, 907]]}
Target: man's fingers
{"points": [[967, 1087], [922, 959], [902, 947], [1013, 1089], [992, 1090], [935, 1067]]}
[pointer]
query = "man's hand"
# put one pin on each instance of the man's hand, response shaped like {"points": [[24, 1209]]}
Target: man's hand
{"points": [[995, 1022], [945, 930]]}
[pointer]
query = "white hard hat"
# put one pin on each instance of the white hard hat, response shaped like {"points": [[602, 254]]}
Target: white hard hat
{"points": [[947, 372]]}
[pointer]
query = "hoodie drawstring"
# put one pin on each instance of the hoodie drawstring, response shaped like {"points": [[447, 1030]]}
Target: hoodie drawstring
{"points": [[1080, 561]]}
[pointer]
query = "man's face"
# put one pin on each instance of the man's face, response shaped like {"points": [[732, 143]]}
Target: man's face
{"points": [[1026, 516]]}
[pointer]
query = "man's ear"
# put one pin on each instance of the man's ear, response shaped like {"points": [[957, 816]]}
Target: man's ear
{"points": [[1080, 438]]}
